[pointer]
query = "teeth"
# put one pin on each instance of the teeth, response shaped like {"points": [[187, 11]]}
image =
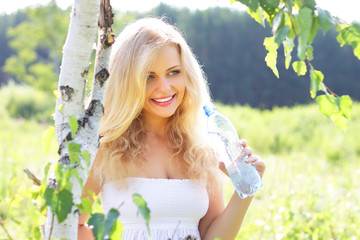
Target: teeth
{"points": [[163, 99]]}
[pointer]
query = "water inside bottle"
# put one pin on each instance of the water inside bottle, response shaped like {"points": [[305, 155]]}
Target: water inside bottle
{"points": [[245, 181]]}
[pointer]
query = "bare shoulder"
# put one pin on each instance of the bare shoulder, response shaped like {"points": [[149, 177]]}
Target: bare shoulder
{"points": [[93, 182]]}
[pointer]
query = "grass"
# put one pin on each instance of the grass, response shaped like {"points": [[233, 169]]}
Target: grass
{"points": [[21, 147], [311, 182]]}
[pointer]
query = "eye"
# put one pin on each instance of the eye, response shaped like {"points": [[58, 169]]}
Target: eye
{"points": [[175, 72], [150, 77]]}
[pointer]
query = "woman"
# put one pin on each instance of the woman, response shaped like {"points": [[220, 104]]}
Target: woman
{"points": [[155, 142]]}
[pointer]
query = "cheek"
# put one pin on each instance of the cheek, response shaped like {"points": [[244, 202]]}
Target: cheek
{"points": [[148, 89], [181, 84]]}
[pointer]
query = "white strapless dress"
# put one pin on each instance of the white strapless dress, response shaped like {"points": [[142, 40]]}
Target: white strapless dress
{"points": [[176, 206]]}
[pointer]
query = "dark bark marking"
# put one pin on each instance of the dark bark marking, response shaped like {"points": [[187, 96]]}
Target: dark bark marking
{"points": [[52, 183], [106, 19], [102, 76], [85, 72], [66, 92], [64, 160], [105, 14], [108, 38], [92, 107]]}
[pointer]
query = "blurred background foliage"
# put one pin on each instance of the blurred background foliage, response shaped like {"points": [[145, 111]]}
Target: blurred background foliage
{"points": [[228, 43], [311, 183]]}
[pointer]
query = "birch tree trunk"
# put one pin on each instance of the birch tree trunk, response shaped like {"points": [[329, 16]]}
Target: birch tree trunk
{"points": [[72, 86]]}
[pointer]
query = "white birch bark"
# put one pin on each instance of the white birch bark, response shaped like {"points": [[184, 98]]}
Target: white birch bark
{"points": [[72, 85]]}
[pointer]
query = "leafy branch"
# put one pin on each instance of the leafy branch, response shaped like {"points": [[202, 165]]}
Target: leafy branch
{"points": [[296, 22]]}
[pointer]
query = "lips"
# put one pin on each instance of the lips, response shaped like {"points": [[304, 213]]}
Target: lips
{"points": [[164, 100]]}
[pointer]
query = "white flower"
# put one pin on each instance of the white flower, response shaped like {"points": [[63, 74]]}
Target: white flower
{"points": [[279, 236], [281, 209], [259, 222]]}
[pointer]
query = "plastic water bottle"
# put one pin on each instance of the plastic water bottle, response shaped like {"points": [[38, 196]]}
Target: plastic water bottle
{"points": [[244, 176]]}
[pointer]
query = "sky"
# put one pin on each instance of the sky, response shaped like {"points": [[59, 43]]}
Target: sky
{"points": [[345, 9]]}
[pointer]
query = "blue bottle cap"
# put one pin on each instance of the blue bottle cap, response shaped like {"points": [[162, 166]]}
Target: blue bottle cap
{"points": [[209, 109]]}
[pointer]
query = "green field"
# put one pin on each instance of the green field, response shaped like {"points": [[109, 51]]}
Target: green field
{"points": [[311, 191]]}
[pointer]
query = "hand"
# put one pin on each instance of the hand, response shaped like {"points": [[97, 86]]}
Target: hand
{"points": [[251, 158], [85, 233], [257, 163]]}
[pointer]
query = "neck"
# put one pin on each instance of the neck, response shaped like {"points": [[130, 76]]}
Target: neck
{"points": [[156, 127]]}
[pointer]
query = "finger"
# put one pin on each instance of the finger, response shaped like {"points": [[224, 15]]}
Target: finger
{"points": [[223, 168], [247, 151], [243, 142], [252, 159], [259, 165]]}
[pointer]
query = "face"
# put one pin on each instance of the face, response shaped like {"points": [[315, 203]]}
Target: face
{"points": [[165, 87]]}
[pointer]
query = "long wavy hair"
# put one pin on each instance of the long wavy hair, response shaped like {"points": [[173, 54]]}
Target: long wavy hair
{"points": [[122, 143]]}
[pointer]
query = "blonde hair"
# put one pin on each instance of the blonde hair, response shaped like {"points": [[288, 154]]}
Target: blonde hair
{"points": [[121, 145]]}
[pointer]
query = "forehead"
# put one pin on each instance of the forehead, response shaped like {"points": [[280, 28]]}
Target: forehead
{"points": [[166, 57]]}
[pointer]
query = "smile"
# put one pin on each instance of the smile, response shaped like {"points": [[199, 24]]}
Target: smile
{"points": [[163, 100]]}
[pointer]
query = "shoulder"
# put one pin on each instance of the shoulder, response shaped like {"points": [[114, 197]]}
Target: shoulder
{"points": [[95, 176]]}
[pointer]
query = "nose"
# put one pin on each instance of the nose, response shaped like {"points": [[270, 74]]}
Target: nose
{"points": [[163, 84]]}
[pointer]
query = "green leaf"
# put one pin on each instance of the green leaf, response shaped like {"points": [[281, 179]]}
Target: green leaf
{"points": [[310, 4], [252, 4], [289, 4], [288, 48], [64, 205], [73, 125], [57, 94], [86, 156], [327, 104], [46, 138], [44, 180], [344, 104], [74, 147], [257, 16], [305, 23], [299, 67], [142, 208], [277, 20], [350, 34], [270, 59], [357, 52], [63, 175], [269, 6], [97, 220], [74, 152], [110, 220], [59, 173], [338, 108], [86, 205], [117, 230], [316, 78], [325, 20], [314, 29], [310, 53], [48, 196], [340, 121], [281, 34], [60, 202], [36, 232]]}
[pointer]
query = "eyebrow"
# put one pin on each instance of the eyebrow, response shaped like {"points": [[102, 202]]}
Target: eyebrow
{"points": [[169, 69]]}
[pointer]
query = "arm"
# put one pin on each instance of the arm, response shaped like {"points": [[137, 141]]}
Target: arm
{"points": [[225, 222], [92, 184]]}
